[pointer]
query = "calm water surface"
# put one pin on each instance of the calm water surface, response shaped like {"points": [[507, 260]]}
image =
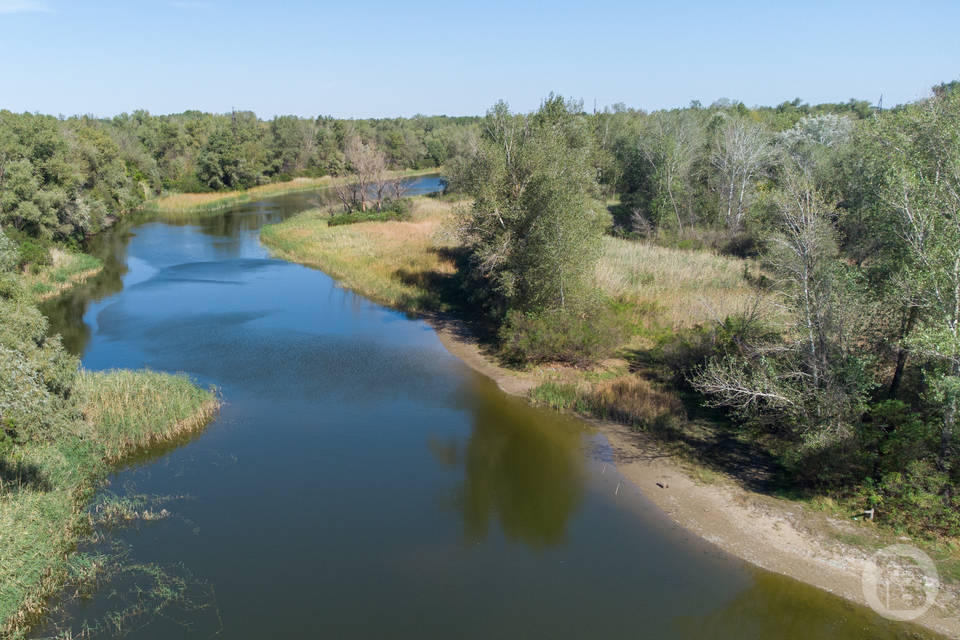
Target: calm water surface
{"points": [[360, 482]]}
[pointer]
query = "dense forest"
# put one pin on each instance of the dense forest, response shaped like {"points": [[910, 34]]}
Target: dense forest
{"points": [[62, 179], [847, 367]]}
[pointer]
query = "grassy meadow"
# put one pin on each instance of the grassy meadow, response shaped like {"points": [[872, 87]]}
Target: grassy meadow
{"points": [[682, 287], [46, 487], [392, 262]]}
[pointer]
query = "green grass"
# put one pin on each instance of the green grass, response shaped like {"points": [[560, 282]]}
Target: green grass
{"points": [[67, 269], [559, 396], [47, 485]]}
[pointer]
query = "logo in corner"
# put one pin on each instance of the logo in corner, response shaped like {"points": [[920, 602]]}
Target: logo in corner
{"points": [[900, 582]]}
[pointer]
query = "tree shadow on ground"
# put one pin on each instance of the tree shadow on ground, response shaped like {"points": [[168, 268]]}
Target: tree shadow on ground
{"points": [[707, 434], [448, 297], [22, 476]]}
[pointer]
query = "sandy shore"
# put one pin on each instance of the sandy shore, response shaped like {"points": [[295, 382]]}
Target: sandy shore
{"points": [[774, 534]]}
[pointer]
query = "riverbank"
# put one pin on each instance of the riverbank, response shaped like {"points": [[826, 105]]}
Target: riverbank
{"points": [[217, 200], [66, 270], [406, 265], [48, 485]]}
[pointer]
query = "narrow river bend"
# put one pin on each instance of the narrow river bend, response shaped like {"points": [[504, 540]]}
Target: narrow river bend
{"points": [[360, 482]]}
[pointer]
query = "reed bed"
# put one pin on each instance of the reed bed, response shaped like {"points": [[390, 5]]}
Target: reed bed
{"points": [[215, 200], [45, 490], [133, 410]]}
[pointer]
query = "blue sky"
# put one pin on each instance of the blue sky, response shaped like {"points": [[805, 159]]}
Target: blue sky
{"points": [[372, 59]]}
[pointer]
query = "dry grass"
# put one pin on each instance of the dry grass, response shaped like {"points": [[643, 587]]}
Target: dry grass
{"points": [[685, 287], [390, 262], [214, 200], [180, 202], [635, 401]]}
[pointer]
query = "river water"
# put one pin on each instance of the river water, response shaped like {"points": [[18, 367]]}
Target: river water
{"points": [[360, 482]]}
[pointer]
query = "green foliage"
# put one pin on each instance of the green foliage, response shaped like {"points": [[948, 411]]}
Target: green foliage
{"points": [[392, 210], [919, 499], [10, 254], [63, 179], [36, 373], [32, 253], [534, 230], [556, 395], [560, 335], [234, 156]]}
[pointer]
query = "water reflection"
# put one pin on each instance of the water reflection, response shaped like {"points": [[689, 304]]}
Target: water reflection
{"points": [[778, 607], [522, 469]]}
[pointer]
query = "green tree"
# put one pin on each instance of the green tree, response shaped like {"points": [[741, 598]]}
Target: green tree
{"points": [[534, 229], [923, 188]]}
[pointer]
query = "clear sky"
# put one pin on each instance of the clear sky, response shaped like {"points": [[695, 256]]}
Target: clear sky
{"points": [[372, 59]]}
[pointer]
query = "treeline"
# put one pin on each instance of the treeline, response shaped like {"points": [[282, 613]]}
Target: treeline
{"points": [[62, 179], [847, 367]]}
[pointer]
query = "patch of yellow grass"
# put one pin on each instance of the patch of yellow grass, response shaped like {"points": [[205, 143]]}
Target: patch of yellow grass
{"points": [[184, 202], [191, 201], [392, 262], [633, 400], [685, 287]]}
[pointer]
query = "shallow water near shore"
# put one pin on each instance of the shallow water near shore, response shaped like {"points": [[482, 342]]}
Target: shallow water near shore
{"points": [[360, 482]]}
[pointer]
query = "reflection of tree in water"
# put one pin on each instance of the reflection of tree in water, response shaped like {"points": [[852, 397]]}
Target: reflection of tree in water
{"points": [[778, 607], [65, 312], [522, 467]]}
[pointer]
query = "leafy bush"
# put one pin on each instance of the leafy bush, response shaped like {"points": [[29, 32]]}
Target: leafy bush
{"points": [[9, 255], [560, 336], [743, 244], [398, 209], [32, 253], [919, 499], [36, 373]]}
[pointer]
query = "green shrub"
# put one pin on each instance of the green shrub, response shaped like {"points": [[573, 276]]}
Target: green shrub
{"points": [[36, 373], [743, 244], [9, 255], [560, 336], [33, 254], [392, 210], [919, 499]]}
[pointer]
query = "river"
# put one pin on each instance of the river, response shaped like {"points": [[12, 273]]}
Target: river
{"points": [[360, 482]]}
